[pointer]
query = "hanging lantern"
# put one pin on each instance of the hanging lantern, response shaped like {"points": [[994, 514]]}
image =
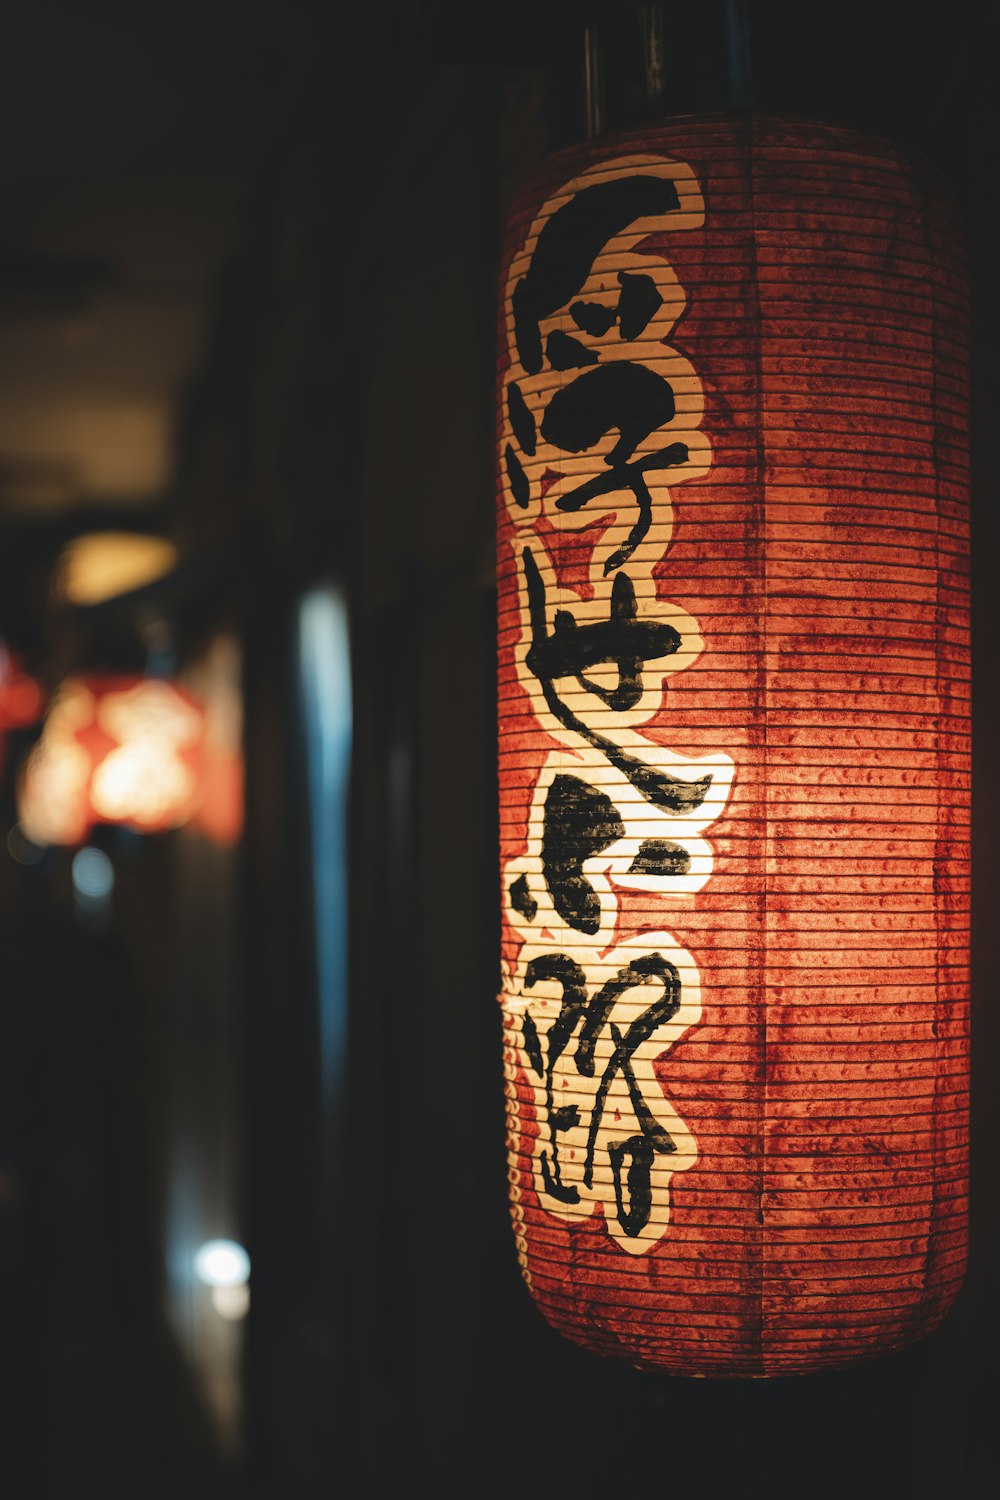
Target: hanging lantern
{"points": [[113, 750], [734, 744]]}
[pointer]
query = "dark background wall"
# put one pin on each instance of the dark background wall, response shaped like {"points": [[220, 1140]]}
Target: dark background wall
{"points": [[336, 424]]}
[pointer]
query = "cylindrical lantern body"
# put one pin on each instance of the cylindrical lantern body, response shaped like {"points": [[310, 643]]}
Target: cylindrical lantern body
{"points": [[734, 744]]}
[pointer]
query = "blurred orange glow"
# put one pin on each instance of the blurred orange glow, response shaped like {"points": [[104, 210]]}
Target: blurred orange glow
{"points": [[21, 697], [113, 750], [215, 681], [21, 702], [104, 564], [220, 815]]}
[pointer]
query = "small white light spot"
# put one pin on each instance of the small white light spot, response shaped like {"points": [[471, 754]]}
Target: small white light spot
{"points": [[222, 1263]]}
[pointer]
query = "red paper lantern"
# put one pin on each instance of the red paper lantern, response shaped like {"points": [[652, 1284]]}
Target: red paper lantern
{"points": [[113, 750], [734, 744]]}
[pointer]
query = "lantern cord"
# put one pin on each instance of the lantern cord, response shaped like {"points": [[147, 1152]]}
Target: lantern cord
{"points": [[740, 62], [593, 80], [652, 29]]}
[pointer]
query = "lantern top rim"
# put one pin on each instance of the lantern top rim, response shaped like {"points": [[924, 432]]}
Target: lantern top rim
{"points": [[655, 135]]}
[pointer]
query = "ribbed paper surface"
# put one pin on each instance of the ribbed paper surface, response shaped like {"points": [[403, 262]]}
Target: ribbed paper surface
{"points": [[734, 744]]}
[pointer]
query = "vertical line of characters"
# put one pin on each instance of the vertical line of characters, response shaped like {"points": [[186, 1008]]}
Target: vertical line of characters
{"points": [[601, 417]]}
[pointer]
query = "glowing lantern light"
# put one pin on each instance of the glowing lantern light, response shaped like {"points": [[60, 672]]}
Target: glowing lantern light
{"points": [[734, 751], [113, 750]]}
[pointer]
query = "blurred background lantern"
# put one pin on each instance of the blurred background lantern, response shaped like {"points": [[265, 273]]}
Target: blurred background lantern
{"points": [[734, 753], [113, 750]]}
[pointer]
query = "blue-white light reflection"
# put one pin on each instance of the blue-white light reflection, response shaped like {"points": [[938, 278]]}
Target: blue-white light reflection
{"points": [[93, 875], [222, 1263], [325, 686]]}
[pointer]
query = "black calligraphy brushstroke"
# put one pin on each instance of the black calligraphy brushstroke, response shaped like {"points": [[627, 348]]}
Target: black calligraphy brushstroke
{"points": [[570, 977], [652, 1140], [521, 420], [518, 479], [532, 1044], [624, 641], [638, 302], [566, 353], [628, 398], [580, 821], [658, 787], [639, 1150], [522, 900], [660, 857], [593, 317], [624, 395], [648, 969], [627, 478], [568, 245]]}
